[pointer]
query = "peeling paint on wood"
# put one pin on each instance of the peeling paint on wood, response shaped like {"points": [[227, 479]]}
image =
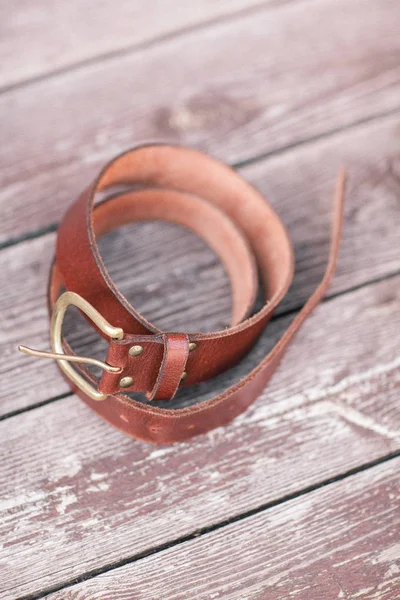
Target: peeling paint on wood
{"points": [[337, 543], [81, 492], [78, 497]]}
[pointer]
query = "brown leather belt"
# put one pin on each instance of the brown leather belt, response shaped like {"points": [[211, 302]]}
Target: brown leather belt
{"points": [[189, 188]]}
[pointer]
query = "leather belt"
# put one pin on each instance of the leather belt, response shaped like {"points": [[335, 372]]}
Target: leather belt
{"points": [[186, 187]]}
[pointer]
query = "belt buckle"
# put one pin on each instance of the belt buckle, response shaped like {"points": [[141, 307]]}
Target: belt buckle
{"points": [[64, 301]]}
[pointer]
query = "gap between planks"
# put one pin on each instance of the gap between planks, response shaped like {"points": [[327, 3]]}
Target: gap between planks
{"points": [[298, 178], [325, 545], [307, 446], [220, 100], [201, 532], [253, 161], [368, 252], [275, 317], [145, 44]]}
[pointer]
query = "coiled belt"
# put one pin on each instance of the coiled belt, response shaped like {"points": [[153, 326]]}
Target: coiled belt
{"points": [[189, 188]]}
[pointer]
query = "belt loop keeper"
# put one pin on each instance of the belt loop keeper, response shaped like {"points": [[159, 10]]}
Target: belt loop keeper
{"points": [[176, 351]]}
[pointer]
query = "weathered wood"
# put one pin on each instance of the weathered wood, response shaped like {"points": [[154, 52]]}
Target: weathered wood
{"points": [[87, 496], [340, 542], [44, 36], [79, 497], [175, 280], [237, 89]]}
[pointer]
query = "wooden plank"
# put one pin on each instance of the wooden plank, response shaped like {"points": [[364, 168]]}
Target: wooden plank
{"points": [[42, 37], [176, 281], [336, 543], [237, 89], [78, 491]]}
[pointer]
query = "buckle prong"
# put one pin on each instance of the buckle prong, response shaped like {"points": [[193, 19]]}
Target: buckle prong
{"points": [[70, 358], [64, 301]]}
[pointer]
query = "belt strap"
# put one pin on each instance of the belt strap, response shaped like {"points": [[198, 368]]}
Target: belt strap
{"points": [[192, 189]]}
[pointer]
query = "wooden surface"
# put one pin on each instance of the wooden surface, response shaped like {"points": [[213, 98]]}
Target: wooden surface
{"points": [[299, 497], [318, 546], [237, 89]]}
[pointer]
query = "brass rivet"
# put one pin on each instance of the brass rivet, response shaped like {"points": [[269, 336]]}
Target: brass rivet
{"points": [[183, 376], [136, 350], [126, 382], [192, 346]]}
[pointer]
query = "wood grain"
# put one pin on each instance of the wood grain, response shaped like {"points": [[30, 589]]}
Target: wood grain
{"points": [[340, 542], [78, 495], [295, 88], [42, 36], [176, 281], [237, 89]]}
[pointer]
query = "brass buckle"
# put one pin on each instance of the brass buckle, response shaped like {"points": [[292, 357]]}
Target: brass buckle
{"points": [[64, 301]]}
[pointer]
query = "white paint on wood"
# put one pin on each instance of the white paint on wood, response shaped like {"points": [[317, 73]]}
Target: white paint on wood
{"points": [[290, 551], [117, 497], [77, 495], [357, 418]]}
